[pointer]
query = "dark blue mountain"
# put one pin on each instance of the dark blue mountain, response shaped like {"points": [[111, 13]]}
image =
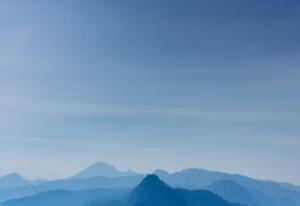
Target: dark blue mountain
{"points": [[152, 191], [71, 184], [67, 198], [266, 192]]}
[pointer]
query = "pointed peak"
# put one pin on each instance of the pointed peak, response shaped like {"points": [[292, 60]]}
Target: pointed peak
{"points": [[152, 178], [152, 181]]}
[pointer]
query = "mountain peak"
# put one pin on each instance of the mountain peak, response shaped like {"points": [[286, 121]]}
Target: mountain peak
{"points": [[152, 183], [103, 169], [151, 179], [98, 169], [153, 191]]}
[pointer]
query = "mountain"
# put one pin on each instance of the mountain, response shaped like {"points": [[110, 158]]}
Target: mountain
{"points": [[73, 184], [103, 169], [66, 198], [235, 188], [194, 178], [151, 191], [15, 180], [233, 192]]}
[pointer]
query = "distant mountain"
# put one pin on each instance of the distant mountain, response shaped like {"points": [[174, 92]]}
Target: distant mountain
{"points": [[15, 180], [233, 192], [66, 198], [103, 169], [194, 178], [235, 188], [123, 182]]}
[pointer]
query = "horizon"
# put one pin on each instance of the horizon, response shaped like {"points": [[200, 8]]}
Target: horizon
{"points": [[150, 84], [144, 173]]}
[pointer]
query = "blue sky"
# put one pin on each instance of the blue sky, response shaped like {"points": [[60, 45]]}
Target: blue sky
{"points": [[150, 84]]}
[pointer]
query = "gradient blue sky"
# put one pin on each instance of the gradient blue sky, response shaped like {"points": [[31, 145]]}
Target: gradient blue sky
{"points": [[150, 84]]}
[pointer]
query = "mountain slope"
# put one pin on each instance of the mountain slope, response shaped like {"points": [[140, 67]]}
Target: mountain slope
{"points": [[152, 191], [71, 184], [103, 169], [15, 180], [233, 192], [66, 198], [194, 178]]}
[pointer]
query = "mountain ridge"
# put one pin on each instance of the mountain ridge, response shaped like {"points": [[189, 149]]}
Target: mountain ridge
{"points": [[103, 169]]}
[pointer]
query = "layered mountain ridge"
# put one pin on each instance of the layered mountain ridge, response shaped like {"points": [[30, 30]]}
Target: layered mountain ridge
{"points": [[232, 187]]}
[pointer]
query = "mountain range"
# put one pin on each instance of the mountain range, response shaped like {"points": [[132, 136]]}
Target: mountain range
{"points": [[232, 187], [151, 191]]}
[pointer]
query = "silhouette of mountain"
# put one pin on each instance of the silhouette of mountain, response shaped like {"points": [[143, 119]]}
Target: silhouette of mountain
{"points": [[66, 198], [268, 191], [152, 191], [15, 180], [264, 192], [103, 169], [123, 182]]}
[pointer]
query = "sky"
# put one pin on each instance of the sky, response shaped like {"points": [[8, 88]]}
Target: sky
{"points": [[150, 84]]}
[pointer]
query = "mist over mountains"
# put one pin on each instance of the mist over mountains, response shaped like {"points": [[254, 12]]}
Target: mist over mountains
{"points": [[151, 191], [92, 183], [103, 169]]}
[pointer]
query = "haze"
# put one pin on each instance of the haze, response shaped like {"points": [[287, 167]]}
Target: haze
{"points": [[150, 84]]}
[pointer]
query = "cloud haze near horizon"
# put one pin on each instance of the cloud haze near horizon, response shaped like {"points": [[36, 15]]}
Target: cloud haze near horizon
{"points": [[150, 85]]}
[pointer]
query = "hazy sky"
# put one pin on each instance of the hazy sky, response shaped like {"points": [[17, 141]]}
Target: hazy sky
{"points": [[150, 84]]}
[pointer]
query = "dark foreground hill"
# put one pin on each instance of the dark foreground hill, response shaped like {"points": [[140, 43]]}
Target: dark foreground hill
{"points": [[151, 191]]}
